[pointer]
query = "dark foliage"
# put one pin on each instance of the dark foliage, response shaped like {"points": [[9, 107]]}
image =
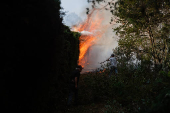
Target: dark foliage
{"points": [[33, 58], [162, 102]]}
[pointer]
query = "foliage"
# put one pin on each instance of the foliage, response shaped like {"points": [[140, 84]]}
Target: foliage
{"points": [[161, 105], [143, 28], [37, 54], [129, 92], [143, 20]]}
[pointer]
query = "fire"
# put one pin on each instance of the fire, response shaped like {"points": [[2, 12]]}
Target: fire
{"points": [[93, 25], [102, 71]]}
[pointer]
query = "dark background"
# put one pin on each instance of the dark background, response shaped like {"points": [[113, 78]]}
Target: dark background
{"points": [[37, 54]]}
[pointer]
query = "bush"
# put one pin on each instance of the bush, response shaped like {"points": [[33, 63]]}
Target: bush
{"points": [[133, 91]]}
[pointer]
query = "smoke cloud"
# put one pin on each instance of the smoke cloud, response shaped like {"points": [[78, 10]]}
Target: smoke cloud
{"points": [[104, 45], [72, 19], [86, 33]]}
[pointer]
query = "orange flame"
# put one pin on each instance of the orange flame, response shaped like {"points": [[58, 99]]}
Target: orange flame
{"points": [[93, 25]]}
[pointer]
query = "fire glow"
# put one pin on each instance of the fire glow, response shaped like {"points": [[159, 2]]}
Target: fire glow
{"points": [[91, 31]]}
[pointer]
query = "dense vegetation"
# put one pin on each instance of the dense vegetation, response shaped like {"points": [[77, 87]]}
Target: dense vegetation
{"points": [[142, 84], [132, 91], [37, 54]]}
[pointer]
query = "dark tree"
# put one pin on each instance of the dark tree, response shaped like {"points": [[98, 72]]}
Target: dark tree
{"points": [[32, 47]]}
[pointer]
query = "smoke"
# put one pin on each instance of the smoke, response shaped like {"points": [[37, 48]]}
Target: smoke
{"points": [[103, 46], [101, 50], [86, 33], [72, 19]]}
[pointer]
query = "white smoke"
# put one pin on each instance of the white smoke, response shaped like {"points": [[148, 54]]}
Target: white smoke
{"points": [[72, 19], [86, 33], [103, 48]]}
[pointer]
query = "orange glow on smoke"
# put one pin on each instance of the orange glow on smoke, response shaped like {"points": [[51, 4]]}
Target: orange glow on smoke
{"points": [[92, 25]]}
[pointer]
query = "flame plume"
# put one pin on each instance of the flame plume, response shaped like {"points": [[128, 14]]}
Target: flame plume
{"points": [[91, 31]]}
